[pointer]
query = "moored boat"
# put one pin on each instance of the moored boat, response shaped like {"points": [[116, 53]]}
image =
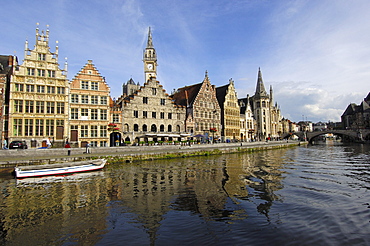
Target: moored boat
{"points": [[59, 168]]}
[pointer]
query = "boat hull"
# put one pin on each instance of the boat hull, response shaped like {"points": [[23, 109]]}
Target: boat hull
{"points": [[59, 169]]}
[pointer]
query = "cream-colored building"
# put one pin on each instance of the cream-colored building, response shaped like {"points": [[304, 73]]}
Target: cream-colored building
{"points": [[89, 108], [247, 121], [38, 96], [230, 112]]}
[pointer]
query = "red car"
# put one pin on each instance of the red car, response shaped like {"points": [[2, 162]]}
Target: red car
{"points": [[18, 145]]}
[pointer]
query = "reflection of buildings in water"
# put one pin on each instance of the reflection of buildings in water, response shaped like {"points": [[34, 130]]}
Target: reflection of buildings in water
{"points": [[256, 175], [47, 213]]}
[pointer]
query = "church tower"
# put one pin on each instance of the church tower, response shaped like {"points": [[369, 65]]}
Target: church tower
{"points": [[150, 59]]}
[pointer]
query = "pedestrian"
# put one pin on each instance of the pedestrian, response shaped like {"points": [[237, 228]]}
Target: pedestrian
{"points": [[48, 143], [5, 144], [87, 148]]}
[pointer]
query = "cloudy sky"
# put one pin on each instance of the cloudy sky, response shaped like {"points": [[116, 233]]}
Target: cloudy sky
{"points": [[314, 53]]}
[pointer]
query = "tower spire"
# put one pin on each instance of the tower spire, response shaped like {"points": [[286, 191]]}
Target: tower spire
{"points": [[260, 88], [150, 40]]}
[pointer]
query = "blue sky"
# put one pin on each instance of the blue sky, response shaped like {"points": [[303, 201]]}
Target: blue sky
{"points": [[315, 54]]}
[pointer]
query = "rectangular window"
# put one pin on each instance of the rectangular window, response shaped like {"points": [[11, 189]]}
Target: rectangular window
{"points": [[169, 116], [18, 106], [154, 115], [60, 107], [60, 90], [94, 86], [39, 127], [84, 99], [162, 115], [85, 85], [136, 114], [50, 107], [163, 101], [84, 131], [29, 106], [41, 89], [30, 71], [51, 74], [103, 100], [103, 144], [40, 107], [41, 57], [115, 118], [154, 91], [85, 112], [74, 113], [28, 127], [94, 100], [103, 131], [145, 100], [49, 127], [30, 88], [94, 144], [17, 127], [103, 114], [93, 131], [41, 72], [94, 114], [74, 98], [18, 87], [145, 114], [51, 89]]}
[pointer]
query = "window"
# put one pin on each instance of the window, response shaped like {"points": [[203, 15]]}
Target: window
{"points": [[103, 131], [50, 89], [162, 115], [169, 116], [145, 128], [169, 128], [40, 107], [84, 99], [30, 88], [103, 100], [94, 143], [103, 114], [154, 91], [154, 115], [39, 127], [145, 114], [60, 90], [136, 114], [41, 57], [74, 113], [84, 112], [50, 107], [136, 127], [18, 87], [17, 127], [161, 128], [51, 74], [94, 114], [74, 98], [60, 122], [40, 89], [153, 128], [94, 100], [115, 118], [29, 107], [18, 106], [85, 85], [30, 71], [60, 107], [84, 131], [49, 127], [103, 144], [93, 131], [41, 72], [94, 86], [163, 101], [145, 100]]}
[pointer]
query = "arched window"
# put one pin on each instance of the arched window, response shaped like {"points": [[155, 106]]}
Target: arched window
{"points": [[153, 128], [126, 128], [161, 128], [178, 128], [136, 128], [145, 128], [169, 128], [263, 104]]}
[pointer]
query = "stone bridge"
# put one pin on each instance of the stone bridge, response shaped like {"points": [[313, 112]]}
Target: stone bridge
{"points": [[359, 135]]}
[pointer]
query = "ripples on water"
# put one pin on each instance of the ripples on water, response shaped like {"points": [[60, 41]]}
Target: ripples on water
{"points": [[316, 195]]}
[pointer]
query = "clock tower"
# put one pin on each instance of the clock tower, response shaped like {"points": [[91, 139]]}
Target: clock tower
{"points": [[150, 59]]}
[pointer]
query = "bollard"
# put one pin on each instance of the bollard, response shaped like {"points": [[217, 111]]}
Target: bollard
{"points": [[69, 152]]}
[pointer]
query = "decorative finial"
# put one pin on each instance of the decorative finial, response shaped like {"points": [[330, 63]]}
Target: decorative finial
{"points": [[206, 74]]}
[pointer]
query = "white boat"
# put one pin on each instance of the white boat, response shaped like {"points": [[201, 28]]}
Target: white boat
{"points": [[59, 168]]}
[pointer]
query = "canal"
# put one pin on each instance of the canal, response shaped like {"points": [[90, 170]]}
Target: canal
{"points": [[311, 195]]}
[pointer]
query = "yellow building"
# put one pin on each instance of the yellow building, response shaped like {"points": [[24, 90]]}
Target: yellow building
{"points": [[38, 96], [89, 108]]}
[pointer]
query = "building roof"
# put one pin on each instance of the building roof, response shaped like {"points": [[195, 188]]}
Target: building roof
{"points": [[221, 94], [185, 96]]}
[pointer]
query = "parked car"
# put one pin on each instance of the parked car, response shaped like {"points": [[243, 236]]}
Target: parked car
{"points": [[18, 145]]}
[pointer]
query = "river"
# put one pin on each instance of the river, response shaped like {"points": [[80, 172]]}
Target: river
{"points": [[314, 195]]}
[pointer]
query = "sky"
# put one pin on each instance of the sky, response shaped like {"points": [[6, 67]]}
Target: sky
{"points": [[314, 53]]}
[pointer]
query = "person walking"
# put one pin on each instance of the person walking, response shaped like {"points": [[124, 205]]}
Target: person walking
{"points": [[87, 148], [5, 144]]}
